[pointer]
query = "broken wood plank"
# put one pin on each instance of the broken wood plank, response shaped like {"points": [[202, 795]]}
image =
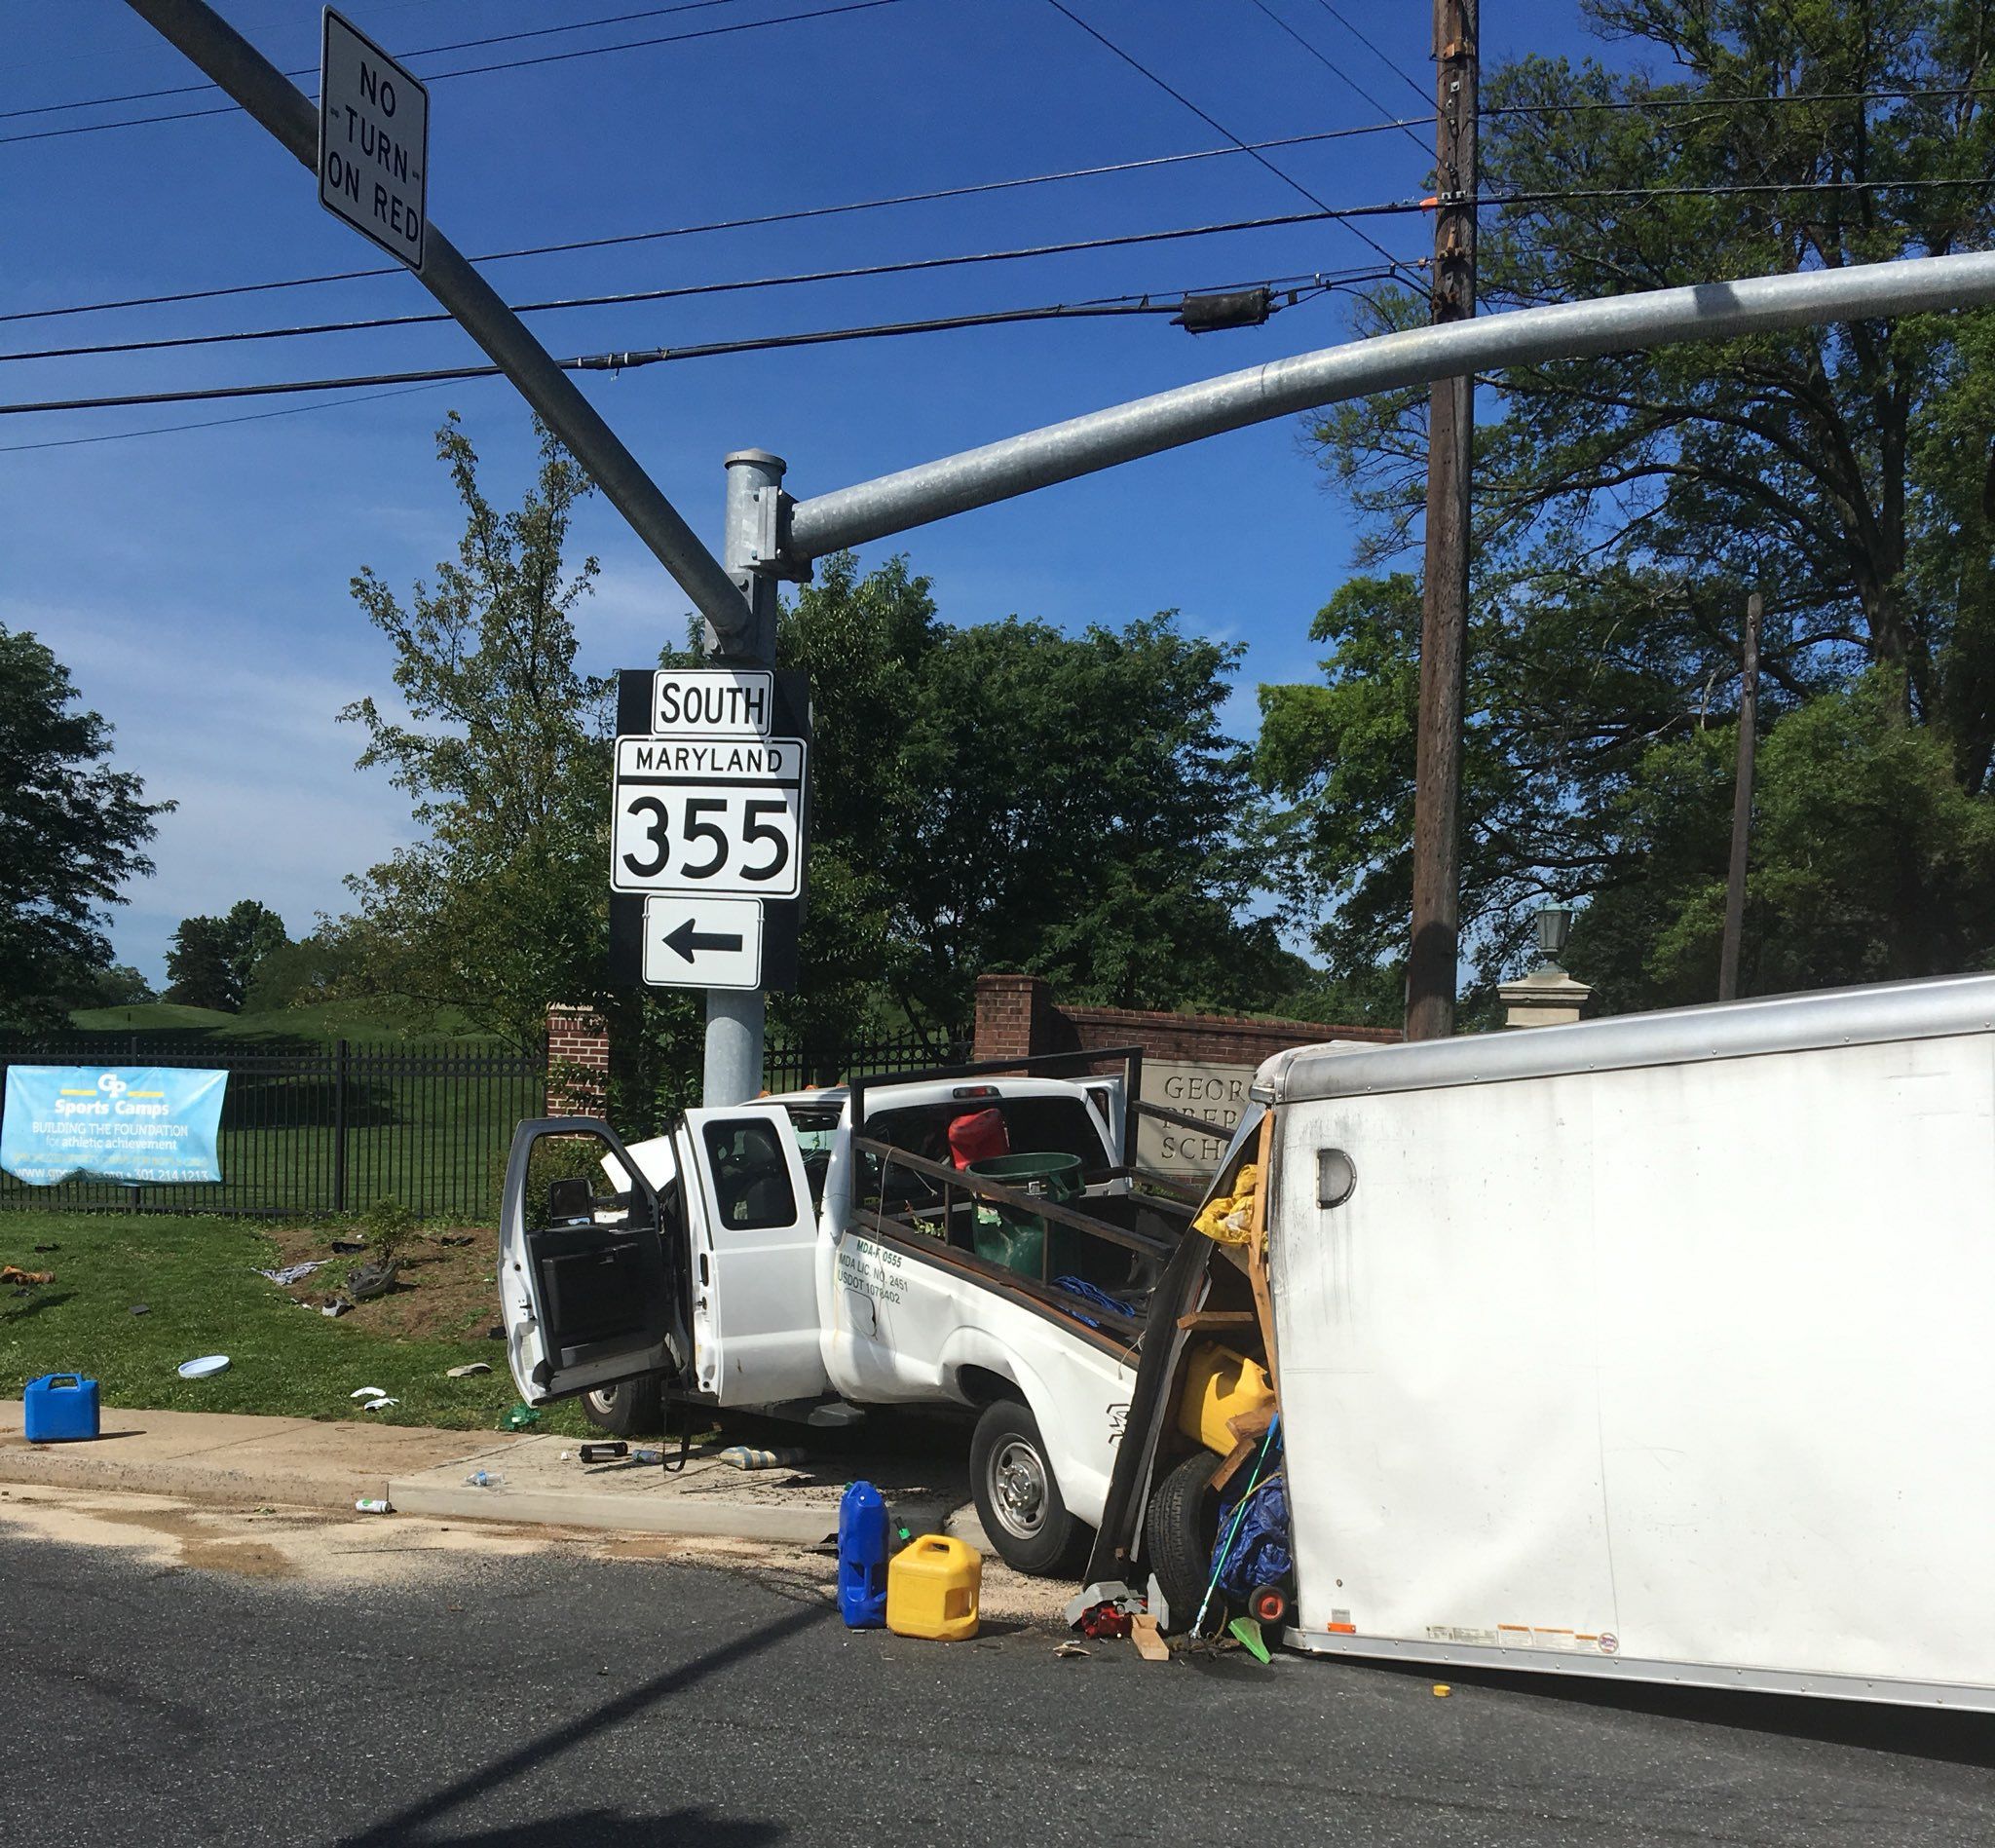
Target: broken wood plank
{"points": [[1219, 1318], [1230, 1468], [1149, 1645]]}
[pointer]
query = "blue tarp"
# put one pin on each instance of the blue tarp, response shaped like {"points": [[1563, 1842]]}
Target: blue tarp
{"points": [[138, 1123], [1257, 1551]]}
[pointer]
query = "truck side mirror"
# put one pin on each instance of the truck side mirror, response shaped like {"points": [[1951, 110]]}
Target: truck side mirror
{"points": [[569, 1200]]}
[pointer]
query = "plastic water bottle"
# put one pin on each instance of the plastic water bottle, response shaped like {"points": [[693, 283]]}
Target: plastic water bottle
{"points": [[862, 1527]]}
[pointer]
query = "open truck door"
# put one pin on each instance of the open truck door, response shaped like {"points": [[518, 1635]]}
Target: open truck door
{"points": [[593, 1271], [754, 1254]]}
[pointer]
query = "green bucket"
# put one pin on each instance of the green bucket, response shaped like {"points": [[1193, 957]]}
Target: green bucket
{"points": [[1018, 1238]]}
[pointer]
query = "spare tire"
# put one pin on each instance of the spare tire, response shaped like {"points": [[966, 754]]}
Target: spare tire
{"points": [[1180, 1529]]}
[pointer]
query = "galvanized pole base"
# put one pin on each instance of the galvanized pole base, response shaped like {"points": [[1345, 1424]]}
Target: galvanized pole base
{"points": [[734, 1016]]}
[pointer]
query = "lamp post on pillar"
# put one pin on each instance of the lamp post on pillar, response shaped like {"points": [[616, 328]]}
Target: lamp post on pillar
{"points": [[734, 1017]]}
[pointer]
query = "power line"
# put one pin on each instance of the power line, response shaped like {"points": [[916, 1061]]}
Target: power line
{"points": [[1335, 70], [427, 50], [1619, 104], [794, 216], [476, 70], [678, 291], [1391, 64], [215, 423], [633, 358], [1144, 71]]}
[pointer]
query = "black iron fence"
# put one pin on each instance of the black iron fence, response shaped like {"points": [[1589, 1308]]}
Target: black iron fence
{"points": [[330, 1128], [322, 1129], [790, 1064]]}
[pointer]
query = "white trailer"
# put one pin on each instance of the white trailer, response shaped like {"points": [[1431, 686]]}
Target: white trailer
{"points": [[1659, 1349]]}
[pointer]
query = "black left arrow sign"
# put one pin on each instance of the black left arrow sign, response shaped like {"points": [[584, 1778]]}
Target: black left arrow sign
{"points": [[689, 941]]}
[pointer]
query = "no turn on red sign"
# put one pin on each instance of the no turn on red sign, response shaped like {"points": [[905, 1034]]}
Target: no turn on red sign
{"points": [[373, 141]]}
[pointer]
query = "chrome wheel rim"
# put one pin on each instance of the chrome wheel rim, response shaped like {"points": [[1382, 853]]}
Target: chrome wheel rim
{"points": [[1019, 1488]]}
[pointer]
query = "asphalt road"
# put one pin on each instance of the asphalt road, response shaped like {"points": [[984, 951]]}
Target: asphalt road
{"points": [[557, 1702]]}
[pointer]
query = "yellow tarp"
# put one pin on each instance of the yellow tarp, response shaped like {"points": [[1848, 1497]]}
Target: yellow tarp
{"points": [[1228, 1218]]}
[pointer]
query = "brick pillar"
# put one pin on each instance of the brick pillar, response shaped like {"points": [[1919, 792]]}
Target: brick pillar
{"points": [[578, 1062], [1015, 1017]]}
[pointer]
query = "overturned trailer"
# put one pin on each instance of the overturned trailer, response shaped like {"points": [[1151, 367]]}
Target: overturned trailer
{"points": [[1660, 1349]]}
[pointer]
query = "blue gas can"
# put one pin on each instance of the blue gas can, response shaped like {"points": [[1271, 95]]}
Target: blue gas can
{"points": [[862, 1527], [59, 1408]]}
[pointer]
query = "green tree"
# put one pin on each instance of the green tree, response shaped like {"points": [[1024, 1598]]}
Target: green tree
{"points": [[212, 962], [73, 832], [1626, 502], [1006, 796], [500, 910]]}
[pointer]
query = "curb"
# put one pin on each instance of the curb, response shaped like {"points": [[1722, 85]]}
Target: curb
{"points": [[626, 1514]]}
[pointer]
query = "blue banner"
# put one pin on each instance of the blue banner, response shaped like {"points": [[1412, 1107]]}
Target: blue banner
{"points": [[142, 1123]]}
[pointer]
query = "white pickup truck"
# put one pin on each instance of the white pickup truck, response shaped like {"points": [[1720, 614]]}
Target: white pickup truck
{"points": [[831, 1245]]}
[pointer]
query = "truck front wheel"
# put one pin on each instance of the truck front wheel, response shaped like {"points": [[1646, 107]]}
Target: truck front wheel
{"points": [[1018, 1500], [632, 1407]]}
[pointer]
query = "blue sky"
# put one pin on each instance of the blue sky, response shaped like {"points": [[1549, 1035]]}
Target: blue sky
{"points": [[196, 582]]}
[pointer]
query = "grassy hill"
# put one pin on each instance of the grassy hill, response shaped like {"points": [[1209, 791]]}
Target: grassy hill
{"points": [[318, 1025]]}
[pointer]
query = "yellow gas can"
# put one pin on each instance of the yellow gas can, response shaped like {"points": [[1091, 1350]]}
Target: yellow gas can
{"points": [[931, 1589], [1219, 1385]]}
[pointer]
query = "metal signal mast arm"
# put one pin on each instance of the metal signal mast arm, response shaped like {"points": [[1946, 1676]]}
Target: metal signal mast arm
{"points": [[246, 75]]}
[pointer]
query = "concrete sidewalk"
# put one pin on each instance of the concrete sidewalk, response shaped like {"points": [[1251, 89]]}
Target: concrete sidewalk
{"points": [[215, 1456]]}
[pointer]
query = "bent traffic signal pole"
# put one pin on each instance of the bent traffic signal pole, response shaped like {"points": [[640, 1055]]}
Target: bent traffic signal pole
{"points": [[243, 72], [1528, 336]]}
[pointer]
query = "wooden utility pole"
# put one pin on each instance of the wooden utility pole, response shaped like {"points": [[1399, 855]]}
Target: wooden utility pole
{"points": [[1444, 623], [1742, 803]]}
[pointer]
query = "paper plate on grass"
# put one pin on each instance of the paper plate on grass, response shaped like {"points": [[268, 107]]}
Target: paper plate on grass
{"points": [[205, 1366]]}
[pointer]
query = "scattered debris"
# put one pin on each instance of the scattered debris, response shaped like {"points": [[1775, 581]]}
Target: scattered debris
{"points": [[142, 1308], [291, 1273], [747, 1456], [485, 1479], [380, 1404], [346, 1246], [1071, 1649], [48, 1247], [368, 1392], [13, 1273], [496, 1332], [204, 1368], [372, 1504], [1249, 1634], [457, 1238], [1149, 1645], [1105, 1610], [519, 1416], [467, 1370], [364, 1282], [335, 1307], [1442, 1690], [603, 1452]]}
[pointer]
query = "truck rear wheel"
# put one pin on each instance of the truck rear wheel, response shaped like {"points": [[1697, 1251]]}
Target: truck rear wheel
{"points": [[1018, 1500], [632, 1407], [1180, 1529]]}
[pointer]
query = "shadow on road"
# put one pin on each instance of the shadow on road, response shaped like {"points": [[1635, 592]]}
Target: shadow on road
{"points": [[404, 1827], [1949, 1735], [605, 1829]]}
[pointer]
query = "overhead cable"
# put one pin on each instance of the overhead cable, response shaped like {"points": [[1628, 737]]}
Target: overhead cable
{"points": [[476, 70], [629, 359], [1210, 122], [425, 51], [793, 217], [1419, 88], [1336, 70], [683, 290]]}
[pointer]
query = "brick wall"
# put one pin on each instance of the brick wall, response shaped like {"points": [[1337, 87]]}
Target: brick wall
{"points": [[1017, 1016], [578, 1062]]}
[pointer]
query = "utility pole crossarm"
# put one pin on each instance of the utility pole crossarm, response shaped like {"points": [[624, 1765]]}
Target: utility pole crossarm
{"points": [[209, 42], [1148, 425]]}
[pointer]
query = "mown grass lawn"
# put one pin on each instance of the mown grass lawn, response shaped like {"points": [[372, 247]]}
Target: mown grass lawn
{"points": [[197, 1278]]}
